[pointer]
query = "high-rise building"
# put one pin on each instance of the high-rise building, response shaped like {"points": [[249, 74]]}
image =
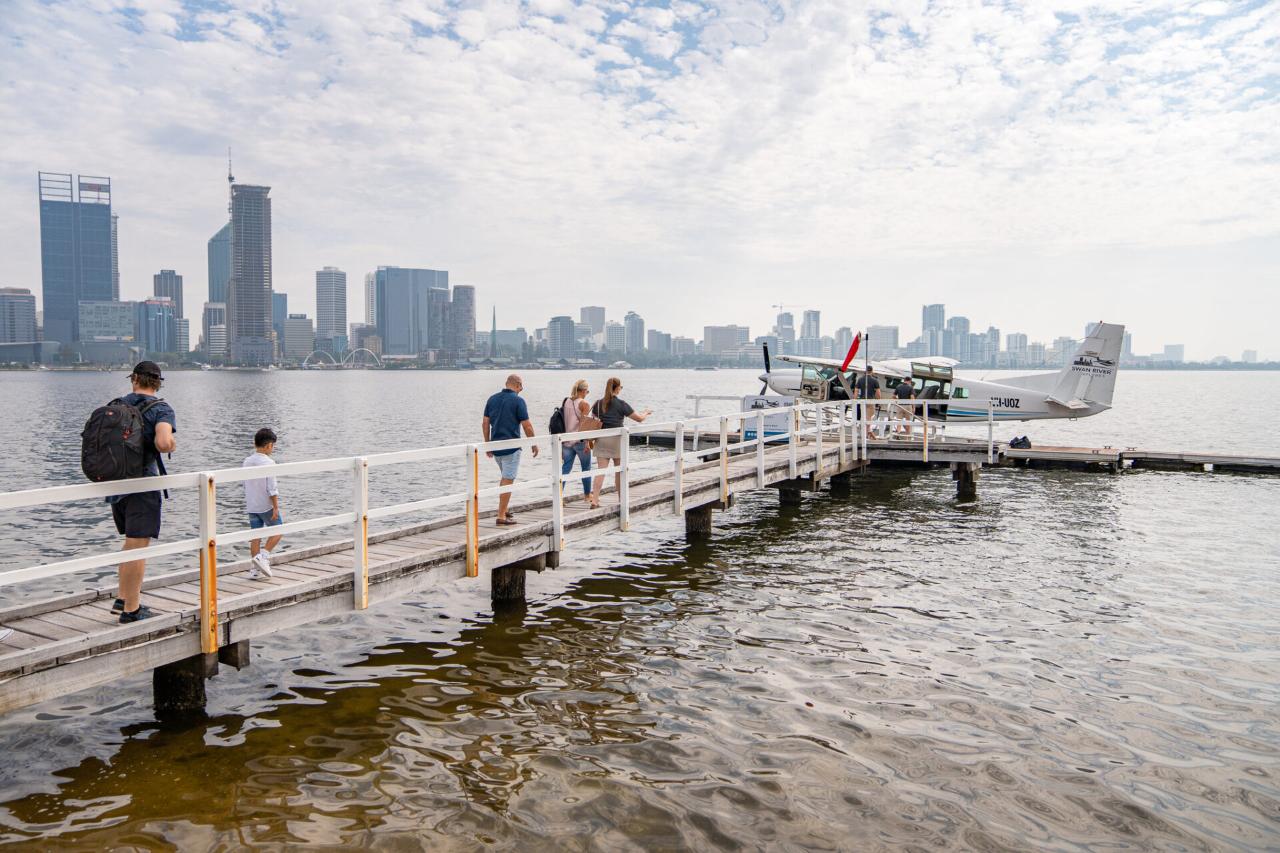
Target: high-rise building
{"points": [[299, 337], [249, 291], [956, 341], [659, 342], [561, 337], [811, 326], [115, 257], [1036, 354], [933, 317], [157, 324], [279, 313], [220, 264], [169, 284], [842, 340], [1016, 345], [107, 321], [1175, 353], [214, 314], [1250, 356], [75, 249], [882, 342], [635, 332], [462, 320], [718, 339], [683, 346], [1126, 349], [17, 315], [405, 298], [183, 337], [593, 316], [216, 339], [615, 337], [371, 299], [785, 330], [331, 309]]}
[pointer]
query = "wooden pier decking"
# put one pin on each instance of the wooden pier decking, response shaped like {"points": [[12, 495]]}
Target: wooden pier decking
{"points": [[72, 642]]}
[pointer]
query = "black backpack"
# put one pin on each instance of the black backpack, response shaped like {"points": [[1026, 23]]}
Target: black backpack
{"points": [[113, 445], [556, 425]]}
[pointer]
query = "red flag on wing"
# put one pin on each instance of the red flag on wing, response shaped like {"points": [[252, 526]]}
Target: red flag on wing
{"points": [[853, 350]]}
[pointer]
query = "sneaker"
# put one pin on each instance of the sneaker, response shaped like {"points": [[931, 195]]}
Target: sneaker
{"points": [[117, 606], [143, 612], [263, 562], [253, 574]]}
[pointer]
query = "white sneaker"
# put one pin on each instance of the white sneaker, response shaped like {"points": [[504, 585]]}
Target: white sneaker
{"points": [[263, 562], [253, 574]]}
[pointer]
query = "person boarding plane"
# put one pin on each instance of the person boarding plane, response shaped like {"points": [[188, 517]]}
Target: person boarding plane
{"points": [[1082, 388]]}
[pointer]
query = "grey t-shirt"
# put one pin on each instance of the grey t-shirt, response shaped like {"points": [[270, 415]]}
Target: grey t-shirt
{"points": [[619, 410]]}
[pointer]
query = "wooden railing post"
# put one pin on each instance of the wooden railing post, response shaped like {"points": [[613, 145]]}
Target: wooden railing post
{"points": [[817, 465], [677, 503], [991, 431], [724, 461], [557, 493], [793, 439], [842, 414], [926, 432], [862, 433], [473, 511], [208, 564], [360, 537], [624, 493], [760, 448]]}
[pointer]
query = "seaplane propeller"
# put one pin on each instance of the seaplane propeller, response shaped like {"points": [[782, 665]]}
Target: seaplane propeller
{"points": [[764, 389]]}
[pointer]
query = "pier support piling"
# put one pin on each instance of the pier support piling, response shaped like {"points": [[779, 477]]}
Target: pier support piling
{"points": [[842, 485], [697, 522], [790, 497], [506, 583], [178, 688], [966, 476], [235, 654]]}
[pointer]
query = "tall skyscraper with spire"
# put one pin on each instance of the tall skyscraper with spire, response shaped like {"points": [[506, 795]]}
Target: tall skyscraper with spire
{"points": [[249, 291]]}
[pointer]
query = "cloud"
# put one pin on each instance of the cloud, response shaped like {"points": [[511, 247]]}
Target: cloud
{"points": [[645, 155]]}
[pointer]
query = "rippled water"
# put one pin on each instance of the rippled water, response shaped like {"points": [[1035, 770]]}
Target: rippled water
{"points": [[1074, 659]]}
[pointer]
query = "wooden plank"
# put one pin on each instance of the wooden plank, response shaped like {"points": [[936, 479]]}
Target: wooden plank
{"points": [[36, 626], [99, 613], [72, 621], [178, 600], [313, 568], [23, 641]]}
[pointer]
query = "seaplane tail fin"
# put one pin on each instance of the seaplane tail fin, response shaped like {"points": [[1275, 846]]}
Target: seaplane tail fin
{"points": [[1091, 375]]}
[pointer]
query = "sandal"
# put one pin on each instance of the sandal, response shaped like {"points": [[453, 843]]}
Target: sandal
{"points": [[507, 522]]}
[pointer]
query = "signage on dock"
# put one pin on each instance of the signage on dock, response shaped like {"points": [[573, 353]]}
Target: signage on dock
{"points": [[775, 423]]}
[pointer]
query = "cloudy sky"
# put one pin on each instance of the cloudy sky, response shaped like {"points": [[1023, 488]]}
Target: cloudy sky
{"points": [[1033, 166]]}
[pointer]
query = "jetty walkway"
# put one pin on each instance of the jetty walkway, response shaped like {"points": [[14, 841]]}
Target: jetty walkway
{"points": [[208, 614]]}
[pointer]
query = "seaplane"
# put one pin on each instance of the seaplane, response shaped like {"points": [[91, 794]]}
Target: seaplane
{"points": [[1082, 388]]}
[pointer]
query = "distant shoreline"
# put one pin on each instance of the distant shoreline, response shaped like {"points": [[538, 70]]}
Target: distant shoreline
{"points": [[1163, 368]]}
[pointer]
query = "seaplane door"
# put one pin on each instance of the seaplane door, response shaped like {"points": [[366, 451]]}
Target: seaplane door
{"points": [[812, 385]]}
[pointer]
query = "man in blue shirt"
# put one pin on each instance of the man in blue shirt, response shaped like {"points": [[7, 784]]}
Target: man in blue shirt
{"points": [[137, 516], [505, 417]]}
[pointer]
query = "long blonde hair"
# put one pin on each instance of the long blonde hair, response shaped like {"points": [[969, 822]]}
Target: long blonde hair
{"points": [[578, 387], [611, 389]]}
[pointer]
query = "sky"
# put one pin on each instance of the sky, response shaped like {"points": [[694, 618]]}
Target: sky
{"points": [[1033, 166]]}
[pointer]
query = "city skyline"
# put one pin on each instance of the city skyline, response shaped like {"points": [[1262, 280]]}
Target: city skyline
{"points": [[1092, 165]]}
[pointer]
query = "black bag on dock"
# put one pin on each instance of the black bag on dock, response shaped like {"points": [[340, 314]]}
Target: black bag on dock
{"points": [[112, 444]]}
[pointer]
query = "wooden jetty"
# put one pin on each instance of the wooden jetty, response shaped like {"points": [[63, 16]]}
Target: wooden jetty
{"points": [[209, 613]]}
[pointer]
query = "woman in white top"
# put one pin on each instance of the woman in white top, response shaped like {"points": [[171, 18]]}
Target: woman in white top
{"points": [[575, 410]]}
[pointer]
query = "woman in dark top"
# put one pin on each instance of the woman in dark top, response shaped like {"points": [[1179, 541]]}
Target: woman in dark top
{"points": [[612, 411]]}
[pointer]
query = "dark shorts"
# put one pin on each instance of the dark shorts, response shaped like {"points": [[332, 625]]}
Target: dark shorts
{"points": [[138, 516]]}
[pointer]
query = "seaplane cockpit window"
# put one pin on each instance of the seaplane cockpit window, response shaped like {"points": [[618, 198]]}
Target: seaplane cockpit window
{"points": [[959, 393]]}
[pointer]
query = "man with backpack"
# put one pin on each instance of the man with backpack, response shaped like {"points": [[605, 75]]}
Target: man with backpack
{"points": [[113, 449]]}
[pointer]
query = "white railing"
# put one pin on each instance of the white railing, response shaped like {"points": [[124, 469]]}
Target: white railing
{"points": [[818, 423]]}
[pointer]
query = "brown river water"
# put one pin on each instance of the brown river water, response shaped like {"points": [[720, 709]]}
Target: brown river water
{"points": [[1074, 660]]}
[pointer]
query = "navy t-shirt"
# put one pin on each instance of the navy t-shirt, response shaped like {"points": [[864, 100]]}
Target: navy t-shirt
{"points": [[867, 386], [904, 390], [505, 410]]}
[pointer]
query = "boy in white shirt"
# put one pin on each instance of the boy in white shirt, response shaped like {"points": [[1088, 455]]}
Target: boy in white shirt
{"points": [[262, 502]]}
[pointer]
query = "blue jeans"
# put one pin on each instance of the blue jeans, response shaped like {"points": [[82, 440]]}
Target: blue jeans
{"points": [[578, 450]]}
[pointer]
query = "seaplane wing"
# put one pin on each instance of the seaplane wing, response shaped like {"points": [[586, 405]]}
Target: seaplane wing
{"points": [[897, 367]]}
